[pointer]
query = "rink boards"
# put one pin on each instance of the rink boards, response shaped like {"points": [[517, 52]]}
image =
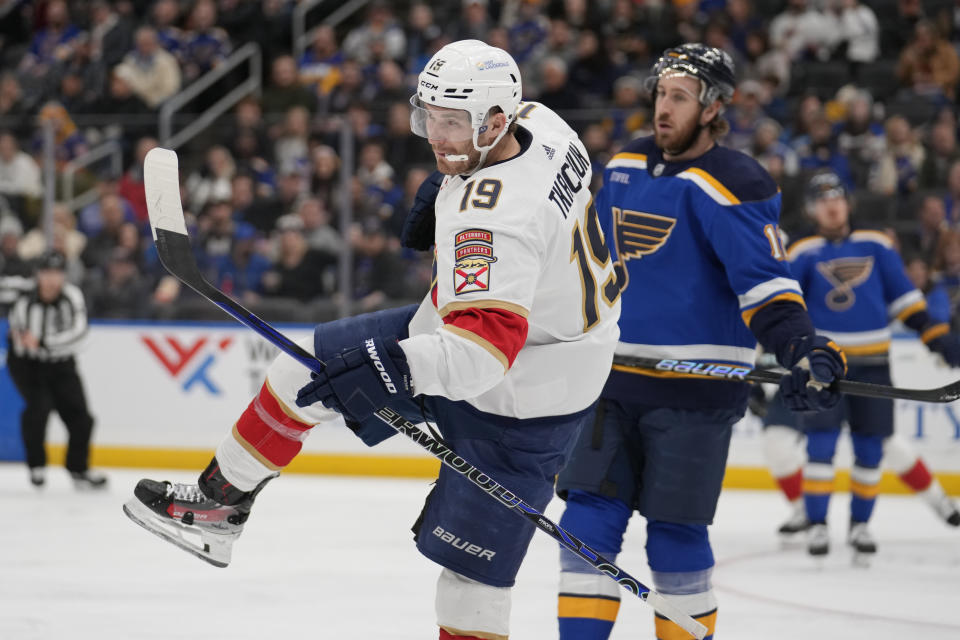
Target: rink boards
{"points": [[163, 395]]}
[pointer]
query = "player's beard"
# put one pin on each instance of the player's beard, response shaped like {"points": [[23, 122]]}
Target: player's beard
{"points": [[681, 138]]}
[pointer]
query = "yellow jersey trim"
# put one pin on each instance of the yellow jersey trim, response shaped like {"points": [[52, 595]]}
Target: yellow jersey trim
{"points": [[818, 486], [919, 305], [935, 332], [588, 607], [873, 349], [786, 295], [802, 245], [284, 407], [249, 448], [713, 182], [483, 342], [483, 635], [483, 304], [876, 236], [861, 490], [630, 156]]}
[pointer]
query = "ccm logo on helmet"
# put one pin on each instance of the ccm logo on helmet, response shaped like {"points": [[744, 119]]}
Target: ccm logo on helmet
{"points": [[372, 352], [429, 85]]}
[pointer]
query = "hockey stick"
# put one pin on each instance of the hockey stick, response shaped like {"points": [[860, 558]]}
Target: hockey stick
{"points": [[162, 182], [947, 393]]}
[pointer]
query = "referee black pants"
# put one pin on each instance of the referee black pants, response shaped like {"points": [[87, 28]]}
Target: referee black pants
{"points": [[47, 386]]}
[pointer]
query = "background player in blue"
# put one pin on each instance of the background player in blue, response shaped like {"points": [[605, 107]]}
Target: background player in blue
{"points": [[693, 228], [854, 284]]}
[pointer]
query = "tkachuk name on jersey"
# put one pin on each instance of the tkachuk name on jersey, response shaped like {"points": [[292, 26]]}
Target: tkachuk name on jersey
{"points": [[464, 545], [564, 186], [703, 368]]}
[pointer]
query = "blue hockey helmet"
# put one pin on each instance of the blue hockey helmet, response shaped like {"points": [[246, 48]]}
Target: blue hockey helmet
{"points": [[824, 184], [712, 66]]}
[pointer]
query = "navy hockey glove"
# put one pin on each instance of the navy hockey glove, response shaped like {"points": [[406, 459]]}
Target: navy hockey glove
{"points": [[420, 225], [948, 347], [815, 362], [358, 381]]}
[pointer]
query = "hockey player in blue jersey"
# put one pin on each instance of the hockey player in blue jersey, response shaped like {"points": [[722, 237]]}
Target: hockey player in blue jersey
{"points": [[693, 229], [854, 284]]}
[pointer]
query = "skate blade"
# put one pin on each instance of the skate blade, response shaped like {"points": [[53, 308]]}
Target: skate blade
{"points": [[212, 548]]}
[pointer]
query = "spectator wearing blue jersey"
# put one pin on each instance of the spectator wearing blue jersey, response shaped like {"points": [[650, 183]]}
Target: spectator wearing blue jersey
{"points": [[854, 284], [319, 66], [205, 45], [693, 229], [165, 15], [52, 45]]}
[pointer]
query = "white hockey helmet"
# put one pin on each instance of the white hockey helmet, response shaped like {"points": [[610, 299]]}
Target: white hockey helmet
{"points": [[471, 76]]}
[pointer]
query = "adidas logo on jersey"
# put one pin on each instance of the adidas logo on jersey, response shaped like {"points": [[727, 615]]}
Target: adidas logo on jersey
{"points": [[550, 151], [463, 545]]}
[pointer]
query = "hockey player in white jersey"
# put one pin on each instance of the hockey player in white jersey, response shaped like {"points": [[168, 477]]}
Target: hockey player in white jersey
{"points": [[506, 354]]}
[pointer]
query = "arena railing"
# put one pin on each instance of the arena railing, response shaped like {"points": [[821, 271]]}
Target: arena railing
{"points": [[249, 52], [302, 37], [111, 149]]}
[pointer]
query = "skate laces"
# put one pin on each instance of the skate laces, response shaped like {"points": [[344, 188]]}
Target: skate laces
{"points": [[185, 493]]}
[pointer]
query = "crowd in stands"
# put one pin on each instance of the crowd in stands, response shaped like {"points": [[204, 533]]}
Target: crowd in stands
{"points": [[867, 89]]}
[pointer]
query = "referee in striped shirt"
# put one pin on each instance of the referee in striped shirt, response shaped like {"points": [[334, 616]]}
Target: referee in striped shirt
{"points": [[47, 323]]}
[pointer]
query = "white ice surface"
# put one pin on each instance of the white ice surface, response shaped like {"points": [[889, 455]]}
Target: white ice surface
{"points": [[332, 558]]}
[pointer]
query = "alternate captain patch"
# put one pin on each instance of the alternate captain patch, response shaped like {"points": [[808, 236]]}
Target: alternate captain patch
{"points": [[473, 261]]}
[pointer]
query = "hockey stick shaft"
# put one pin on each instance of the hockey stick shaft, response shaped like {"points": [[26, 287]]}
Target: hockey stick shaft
{"points": [[173, 247], [709, 371]]}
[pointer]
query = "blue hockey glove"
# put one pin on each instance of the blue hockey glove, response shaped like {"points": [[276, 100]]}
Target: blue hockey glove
{"points": [[815, 362], [948, 347], [420, 225], [358, 381]]}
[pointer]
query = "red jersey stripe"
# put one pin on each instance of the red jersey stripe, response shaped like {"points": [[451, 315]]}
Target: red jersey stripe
{"points": [[504, 330]]}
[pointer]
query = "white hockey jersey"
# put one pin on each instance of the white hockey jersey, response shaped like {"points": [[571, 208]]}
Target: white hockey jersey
{"points": [[522, 317]]}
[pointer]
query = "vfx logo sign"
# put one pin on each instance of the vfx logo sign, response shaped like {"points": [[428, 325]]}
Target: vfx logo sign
{"points": [[193, 360]]}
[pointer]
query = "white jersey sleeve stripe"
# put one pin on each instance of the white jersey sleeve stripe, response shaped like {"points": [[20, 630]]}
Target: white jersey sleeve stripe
{"points": [[908, 299], [628, 161], [768, 289]]}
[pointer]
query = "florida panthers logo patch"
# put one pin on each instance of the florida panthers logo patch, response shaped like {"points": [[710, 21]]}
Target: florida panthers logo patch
{"points": [[473, 261]]}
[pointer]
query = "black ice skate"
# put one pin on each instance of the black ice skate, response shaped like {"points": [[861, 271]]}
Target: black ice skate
{"points": [[862, 543], [203, 519], [38, 476], [946, 508]]}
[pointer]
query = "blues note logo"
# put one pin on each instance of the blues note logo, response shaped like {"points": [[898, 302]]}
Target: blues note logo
{"points": [[640, 234], [637, 234], [844, 274]]}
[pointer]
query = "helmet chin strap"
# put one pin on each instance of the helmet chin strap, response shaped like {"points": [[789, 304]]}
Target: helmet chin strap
{"points": [[483, 150]]}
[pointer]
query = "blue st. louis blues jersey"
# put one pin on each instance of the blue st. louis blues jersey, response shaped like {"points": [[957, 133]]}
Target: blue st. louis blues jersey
{"points": [[854, 287], [698, 251]]}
